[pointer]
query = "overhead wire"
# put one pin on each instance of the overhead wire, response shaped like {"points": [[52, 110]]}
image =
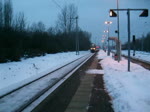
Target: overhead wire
{"points": [[78, 3], [57, 4]]}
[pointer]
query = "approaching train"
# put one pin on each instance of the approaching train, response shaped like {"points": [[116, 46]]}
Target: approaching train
{"points": [[94, 48]]}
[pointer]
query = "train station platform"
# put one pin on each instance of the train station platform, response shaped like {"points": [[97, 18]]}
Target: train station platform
{"points": [[91, 95], [80, 101]]}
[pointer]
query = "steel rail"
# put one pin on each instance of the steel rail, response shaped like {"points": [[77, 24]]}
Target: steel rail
{"points": [[143, 63], [1, 96], [136, 60], [43, 90], [53, 87]]}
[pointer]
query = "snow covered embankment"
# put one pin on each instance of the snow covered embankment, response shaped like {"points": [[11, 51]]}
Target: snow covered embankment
{"points": [[129, 90], [15, 73]]}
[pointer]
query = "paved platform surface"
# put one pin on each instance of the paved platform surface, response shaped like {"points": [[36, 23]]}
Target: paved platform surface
{"points": [[80, 101]]}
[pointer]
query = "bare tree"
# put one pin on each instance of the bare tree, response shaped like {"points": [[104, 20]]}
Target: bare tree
{"points": [[65, 18], [38, 27], [8, 13], [72, 14], [51, 31], [41, 26], [62, 19], [1, 14], [20, 22]]}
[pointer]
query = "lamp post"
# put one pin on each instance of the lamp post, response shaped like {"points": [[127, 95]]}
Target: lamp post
{"points": [[77, 37], [106, 31], [118, 18], [103, 41], [118, 32], [143, 14], [108, 23]]}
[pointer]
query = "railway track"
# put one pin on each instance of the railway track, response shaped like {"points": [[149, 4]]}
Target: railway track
{"points": [[26, 97], [143, 63]]}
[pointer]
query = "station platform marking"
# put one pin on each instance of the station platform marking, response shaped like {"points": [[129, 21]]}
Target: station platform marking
{"points": [[80, 100]]}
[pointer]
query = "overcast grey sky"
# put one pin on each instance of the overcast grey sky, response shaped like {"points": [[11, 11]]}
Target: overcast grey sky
{"points": [[92, 15]]}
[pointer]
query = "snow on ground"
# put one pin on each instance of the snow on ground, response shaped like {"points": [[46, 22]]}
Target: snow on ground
{"points": [[17, 72], [138, 54], [129, 90], [95, 71], [11, 104]]}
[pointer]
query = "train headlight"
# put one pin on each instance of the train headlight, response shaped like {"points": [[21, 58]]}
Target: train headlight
{"points": [[92, 48]]}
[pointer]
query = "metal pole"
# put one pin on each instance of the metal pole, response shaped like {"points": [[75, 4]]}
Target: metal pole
{"points": [[128, 13], [119, 53], [70, 26], [77, 37], [108, 53], [112, 45], [118, 18], [142, 42], [108, 23]]}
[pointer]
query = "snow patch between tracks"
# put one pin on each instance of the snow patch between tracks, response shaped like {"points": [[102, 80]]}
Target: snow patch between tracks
{"points": [[95, 71]]}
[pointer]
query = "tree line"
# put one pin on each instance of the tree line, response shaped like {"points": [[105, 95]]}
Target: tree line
{"points": [[20, 40], [140, 44]]}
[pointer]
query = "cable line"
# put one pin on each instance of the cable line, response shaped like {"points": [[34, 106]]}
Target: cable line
{"points": [[57, 4]]}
